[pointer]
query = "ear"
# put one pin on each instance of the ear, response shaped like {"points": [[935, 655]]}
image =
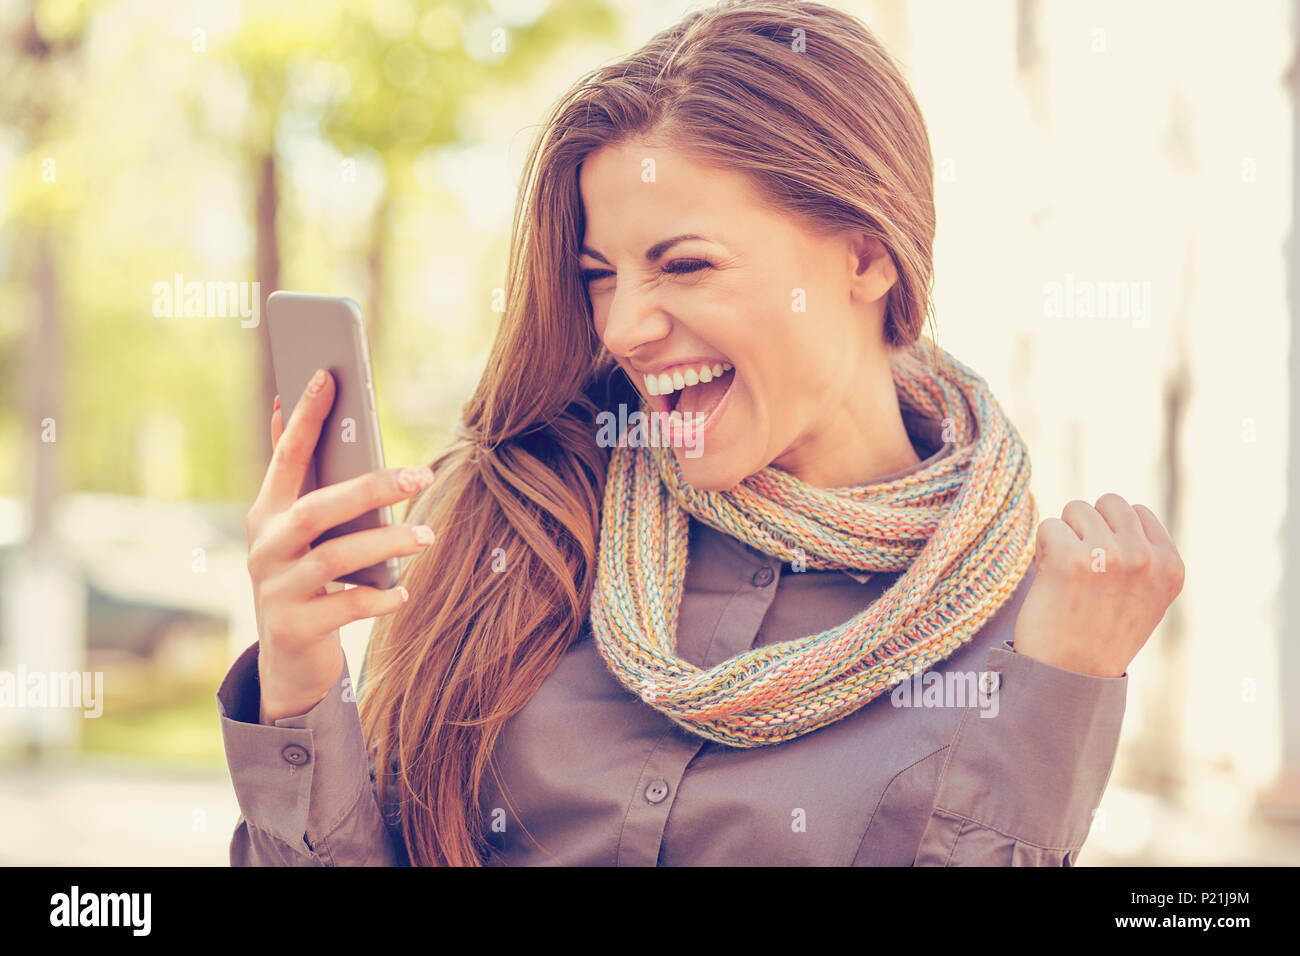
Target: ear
{"points": [[872, 272]]}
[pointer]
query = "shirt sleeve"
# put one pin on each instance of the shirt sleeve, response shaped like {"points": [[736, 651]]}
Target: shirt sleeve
{"points": [[305, 786], [1022, 779]]}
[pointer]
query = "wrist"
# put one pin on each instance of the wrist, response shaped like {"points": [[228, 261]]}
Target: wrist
{"points": [[273, 709], [292, 687], [1068, 661]]}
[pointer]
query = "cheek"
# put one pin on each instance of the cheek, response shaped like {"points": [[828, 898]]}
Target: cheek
{"points": [[784, 389], [790, 360]]}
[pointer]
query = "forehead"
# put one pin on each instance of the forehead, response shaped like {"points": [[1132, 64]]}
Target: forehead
{"points": [[632, 190]]}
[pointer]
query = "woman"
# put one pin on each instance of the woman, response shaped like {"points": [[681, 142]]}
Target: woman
{"points": [[800, 611]]}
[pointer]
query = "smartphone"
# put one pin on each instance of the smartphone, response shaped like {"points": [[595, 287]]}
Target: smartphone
{"points": [[308, 332]]}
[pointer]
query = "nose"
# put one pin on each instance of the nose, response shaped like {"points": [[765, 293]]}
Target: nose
{"points": [[632, 319]]}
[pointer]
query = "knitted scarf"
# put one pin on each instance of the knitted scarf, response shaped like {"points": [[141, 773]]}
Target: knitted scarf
{"points": [[962, 529]]}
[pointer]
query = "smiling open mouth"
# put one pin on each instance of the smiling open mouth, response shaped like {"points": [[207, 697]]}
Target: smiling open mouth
{"points": [[695, 391]]}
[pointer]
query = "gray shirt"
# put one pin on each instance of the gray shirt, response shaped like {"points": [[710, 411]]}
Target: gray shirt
{"points": [[990, 759]]}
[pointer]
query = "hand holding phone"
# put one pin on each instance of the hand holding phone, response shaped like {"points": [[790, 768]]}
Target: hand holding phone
{"points": [[323, 513], [300, 607]]}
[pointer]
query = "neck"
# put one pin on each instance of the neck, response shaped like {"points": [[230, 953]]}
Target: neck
{"points": [[862, 439]]}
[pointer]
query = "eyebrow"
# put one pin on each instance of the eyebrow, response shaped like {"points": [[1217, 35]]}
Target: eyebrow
{"points": [[651, 254]]}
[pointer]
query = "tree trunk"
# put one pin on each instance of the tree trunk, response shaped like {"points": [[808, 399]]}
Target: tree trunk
{"points": [[43, 388], [1282, 800]]}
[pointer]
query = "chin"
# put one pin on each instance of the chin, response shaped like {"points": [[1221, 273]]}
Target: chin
{"points": [[710, 472]]}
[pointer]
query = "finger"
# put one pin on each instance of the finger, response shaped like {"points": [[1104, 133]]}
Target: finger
{"points": [[331, 611], [1054, 537], [277, 424], [317, 511], [333, 559], [293, 451], [1085, 521], [1121, 517], [1154, 530]]}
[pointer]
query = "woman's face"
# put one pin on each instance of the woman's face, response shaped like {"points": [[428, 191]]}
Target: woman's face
{"points": [[690, 273]]}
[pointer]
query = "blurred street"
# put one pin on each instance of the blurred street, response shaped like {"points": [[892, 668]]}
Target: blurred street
{"points": [[97, 811]]}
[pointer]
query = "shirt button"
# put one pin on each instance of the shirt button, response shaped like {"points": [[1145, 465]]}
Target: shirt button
{"points": [[657, 790], [763, 577], [989, 682], [295, 755]]}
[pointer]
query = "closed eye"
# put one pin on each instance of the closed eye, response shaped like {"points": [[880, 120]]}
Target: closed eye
{"points": [[676, 267]]}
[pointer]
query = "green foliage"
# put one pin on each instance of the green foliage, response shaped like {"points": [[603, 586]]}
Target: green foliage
{"points": [[129, 135]]}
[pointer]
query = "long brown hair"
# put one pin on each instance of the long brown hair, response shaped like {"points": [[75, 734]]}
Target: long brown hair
{"points": [[797, 95]]}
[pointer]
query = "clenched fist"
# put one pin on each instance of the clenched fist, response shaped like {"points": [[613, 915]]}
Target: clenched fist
{"points": [[1105, 577]]}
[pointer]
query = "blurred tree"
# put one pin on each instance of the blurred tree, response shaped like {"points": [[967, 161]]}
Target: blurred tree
{"points": [[390, 80], [414, 71], [42, 79], [269, 39], [44, 53]]}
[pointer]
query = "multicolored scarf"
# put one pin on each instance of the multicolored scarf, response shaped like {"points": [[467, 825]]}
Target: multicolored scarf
{"points": [[961, 528]]}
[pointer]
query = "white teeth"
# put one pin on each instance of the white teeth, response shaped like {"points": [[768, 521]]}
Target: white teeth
{"points": [[665, 383]]}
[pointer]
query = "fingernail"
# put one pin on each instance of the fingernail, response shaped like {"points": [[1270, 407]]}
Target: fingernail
{"points": [[277, 403], [317, 382], [413, 479], [423, 534], [402, 591]]}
